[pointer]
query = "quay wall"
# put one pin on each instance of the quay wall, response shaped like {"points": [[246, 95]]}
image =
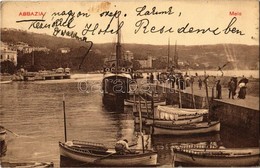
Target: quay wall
{"points": [[231, 115], [237, 117]]}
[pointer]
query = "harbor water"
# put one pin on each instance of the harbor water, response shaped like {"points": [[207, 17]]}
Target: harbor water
{"points": [[34, 111]]}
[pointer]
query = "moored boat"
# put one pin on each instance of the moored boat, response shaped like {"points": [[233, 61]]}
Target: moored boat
{"points": [[115, 90], [169, 111], [27, 164], [129, 102], [148, 120], [218, 157], [99, 156], [193, 128], [6, 82], [116, 80]]}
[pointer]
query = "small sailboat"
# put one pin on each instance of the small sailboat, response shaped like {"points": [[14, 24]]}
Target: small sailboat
{"points": [[129, 102], [168, 115], [149, 120], [97, 154], [162, 110], [217, 157], [187, 129]]}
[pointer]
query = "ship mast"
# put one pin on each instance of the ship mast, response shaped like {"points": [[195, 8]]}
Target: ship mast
{"points": [[168, 60], [118, 48], [176, 56]]}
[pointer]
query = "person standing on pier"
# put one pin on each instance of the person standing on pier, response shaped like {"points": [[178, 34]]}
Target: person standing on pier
{"points": [[218, 88], [231, 88], [242, 84], [148, 78], [151, 78], [158, 77], [200, 83]]}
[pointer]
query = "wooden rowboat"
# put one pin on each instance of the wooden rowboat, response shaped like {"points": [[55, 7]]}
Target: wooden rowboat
{"points": [[218, 157], [180, 111], [97, 155], [129, 102], [6, 82], [194, 128], [148, 120], [2, 133], [27, 164]]}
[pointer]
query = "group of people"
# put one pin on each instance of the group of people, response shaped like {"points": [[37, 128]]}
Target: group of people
{"points": [[232, 87], [233, 84]]}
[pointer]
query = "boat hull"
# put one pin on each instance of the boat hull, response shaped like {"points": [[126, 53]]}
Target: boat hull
{"points": [[115, 90], [5, 82], [128, 102], [149, 121], [198, 128], [113, 102], [28, 164], [169, 110], [226, 160], [142, 159]]}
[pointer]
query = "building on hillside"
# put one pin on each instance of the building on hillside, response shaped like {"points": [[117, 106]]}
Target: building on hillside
{"points": [[30, 49], [147, 63], [27, 49], [20, 46], [128, 56], [43, 49], [8, 53], [64, 50]]}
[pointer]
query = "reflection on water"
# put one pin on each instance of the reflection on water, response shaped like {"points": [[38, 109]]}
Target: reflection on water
{"points": [[34, 112]]}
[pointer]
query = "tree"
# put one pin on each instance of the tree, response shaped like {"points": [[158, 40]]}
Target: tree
{"points": [[7, 67], [136, 65]]}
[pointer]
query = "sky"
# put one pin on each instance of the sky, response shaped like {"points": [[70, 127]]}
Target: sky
{"points": [[234, 21]]}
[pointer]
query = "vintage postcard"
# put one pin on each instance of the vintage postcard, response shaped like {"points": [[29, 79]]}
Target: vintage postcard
{"points": [[129, 83]]}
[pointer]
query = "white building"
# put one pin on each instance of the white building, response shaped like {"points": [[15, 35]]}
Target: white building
{"points": [[7, 53], [64, 50], [21, 45]]}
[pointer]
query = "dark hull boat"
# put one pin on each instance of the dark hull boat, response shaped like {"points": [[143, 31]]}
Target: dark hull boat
{"points": [[115, 90], [116, 79]]}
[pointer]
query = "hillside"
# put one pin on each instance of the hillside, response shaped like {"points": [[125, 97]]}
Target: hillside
{"points": [[200, 56]]}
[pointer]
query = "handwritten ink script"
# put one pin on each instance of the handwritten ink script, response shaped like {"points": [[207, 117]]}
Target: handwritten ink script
{"points": [[64, 23]]}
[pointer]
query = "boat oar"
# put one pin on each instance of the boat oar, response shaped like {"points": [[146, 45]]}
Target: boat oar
{"points": [[11, 132], [98, 159]]}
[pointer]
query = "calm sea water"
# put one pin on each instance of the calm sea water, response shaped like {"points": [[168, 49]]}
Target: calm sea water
{"points": [[34, 111]]}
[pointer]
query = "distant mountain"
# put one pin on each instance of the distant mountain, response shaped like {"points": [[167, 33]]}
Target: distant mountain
{"points": [[210, 56]]}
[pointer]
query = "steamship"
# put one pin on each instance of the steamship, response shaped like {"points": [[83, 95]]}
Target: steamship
{"points": [[116, 78]]}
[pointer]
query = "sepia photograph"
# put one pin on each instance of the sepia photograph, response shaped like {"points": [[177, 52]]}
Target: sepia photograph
{"points": [[92, 83]]}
